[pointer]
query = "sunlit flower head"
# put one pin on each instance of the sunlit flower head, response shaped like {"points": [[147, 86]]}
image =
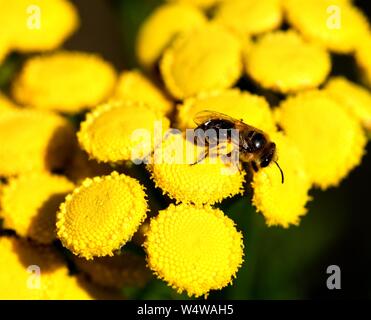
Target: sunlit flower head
{"points": [[204, 4], [101, 215], [362, 56], [356, 99], [108, 133], [64, 81], [206, 182], [38, 25], [32, 141], [284, 62], [250, 17], [194, 249], [282, 203], [30, 202], [158, 31], [330, 140], [6, 104], [336, 24], [4, 47], [134, 85], [205, 59], [20, 263], [252, 109]]}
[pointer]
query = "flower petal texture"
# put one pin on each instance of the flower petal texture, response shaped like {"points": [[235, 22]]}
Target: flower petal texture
{"points": [[194, 249], [43, 82], [207, 182], [30, 203], [282, 61], [114, 131], [331, 141], [282, 203], [101, 215], [204, 59]]}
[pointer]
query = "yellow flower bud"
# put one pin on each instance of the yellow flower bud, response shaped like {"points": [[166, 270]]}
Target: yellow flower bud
{"points": [[282, 203], [30, 203], [284, 62], [205, 59], [64, 81], [159, 29], [101, 215], [336, 24], [194, 249], [250, 17], [331, 141]]}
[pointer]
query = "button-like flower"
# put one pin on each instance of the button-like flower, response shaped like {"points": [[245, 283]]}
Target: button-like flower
{"points": [[207, 182], [330, 140], [252, 109], [161, 27], [33, 140], [336, 24], [205, 59], [134, 85], [194, 249], [101, 215], [37, 25], [64, 81], [284, 62], [30, 202], [282, 203], [356, 99], [250, 17], [108, 133], [30, 272]]}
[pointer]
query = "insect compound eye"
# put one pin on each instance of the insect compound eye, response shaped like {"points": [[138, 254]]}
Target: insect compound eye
{"points": [[265, 161], [257, 141]]}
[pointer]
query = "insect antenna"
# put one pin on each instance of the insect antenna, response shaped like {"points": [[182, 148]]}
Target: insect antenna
{"points": [[282, 176]]}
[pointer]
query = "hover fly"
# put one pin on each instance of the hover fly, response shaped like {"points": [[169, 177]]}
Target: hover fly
{"points": [[253, 145]]}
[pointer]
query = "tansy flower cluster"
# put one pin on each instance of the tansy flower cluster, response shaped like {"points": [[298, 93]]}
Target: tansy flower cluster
{"points": [[89, 192]]}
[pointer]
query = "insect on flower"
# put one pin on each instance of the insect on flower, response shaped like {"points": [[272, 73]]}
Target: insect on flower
{"points": [[252, 144]]}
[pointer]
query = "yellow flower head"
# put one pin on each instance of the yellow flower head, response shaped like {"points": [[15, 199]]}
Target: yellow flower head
{"points": [[80, 167], [33, 140], [19, 277], [159, 29], [30, 203], [194, 249], [133, 85], [282, 204], [4, 47], [6, 104], [356, 99], [34, 25], [336, 24], [64, 81], [252, 109], [126, 269], [207, 182], [250, 17], [204, 4], [205, 59], [362, 56], [109, 132], [101, 215], [330, 140], [284, 62]]}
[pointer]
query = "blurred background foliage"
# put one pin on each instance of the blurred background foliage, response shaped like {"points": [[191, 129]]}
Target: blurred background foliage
{"points": [[279, 263]]}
